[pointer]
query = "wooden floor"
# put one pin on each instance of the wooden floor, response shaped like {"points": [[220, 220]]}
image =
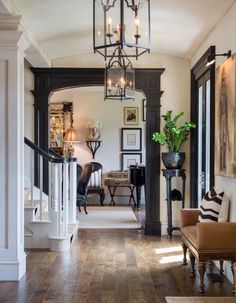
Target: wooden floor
{"points": [[107, 266]]}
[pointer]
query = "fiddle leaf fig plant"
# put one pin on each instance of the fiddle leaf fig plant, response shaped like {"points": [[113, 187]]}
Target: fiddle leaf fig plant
{"points": [[173, 136]]}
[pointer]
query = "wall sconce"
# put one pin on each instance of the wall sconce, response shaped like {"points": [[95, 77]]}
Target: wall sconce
{"points": [[212, 58]]}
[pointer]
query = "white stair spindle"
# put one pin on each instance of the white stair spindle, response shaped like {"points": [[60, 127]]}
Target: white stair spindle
{"points": [[55, 199], [72, 191], [49, 189], [65, 197], [32, 179], [60, 199], [41, 189]]}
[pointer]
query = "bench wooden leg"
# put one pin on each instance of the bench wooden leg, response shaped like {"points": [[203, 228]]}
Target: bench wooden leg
{"points": [[202, 270], [192, 260], [221, 268], [233, 268], [185, 252]]}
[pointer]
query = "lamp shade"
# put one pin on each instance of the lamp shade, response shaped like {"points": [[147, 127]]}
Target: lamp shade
{"points": [[71, 135]]}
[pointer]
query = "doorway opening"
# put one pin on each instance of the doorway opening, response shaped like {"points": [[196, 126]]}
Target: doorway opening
{"points": [[88, 105]]}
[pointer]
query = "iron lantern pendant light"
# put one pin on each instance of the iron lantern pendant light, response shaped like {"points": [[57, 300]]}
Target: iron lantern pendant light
{"points": [[123, 23], [119, 77]]}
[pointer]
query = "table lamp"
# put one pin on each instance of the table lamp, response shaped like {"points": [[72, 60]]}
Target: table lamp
{"points": [[71, 136]]}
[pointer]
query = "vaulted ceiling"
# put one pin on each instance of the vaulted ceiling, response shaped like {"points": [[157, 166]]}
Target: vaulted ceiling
{"points": [[178, 27]]}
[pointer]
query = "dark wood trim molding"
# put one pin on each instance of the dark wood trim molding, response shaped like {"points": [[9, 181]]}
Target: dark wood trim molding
{"points": [[48, 80], [198, 71]]}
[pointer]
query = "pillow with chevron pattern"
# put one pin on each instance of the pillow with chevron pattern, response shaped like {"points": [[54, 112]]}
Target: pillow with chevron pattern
{"points": [[214, 207]]}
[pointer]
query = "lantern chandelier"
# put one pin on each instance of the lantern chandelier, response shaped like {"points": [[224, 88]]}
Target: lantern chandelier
{"points": [[119, 77], [124, 23]]}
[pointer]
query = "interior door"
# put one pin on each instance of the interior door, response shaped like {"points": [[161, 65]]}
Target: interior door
{"points": [[204, 136]]}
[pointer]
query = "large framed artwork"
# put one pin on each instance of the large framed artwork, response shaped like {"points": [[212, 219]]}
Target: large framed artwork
{"points": [[225, 122], [131, 139], [131, 115], [128, 159]]}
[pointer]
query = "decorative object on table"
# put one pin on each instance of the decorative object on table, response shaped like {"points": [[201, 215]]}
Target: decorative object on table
{"points": [[119, 78], [119, 179], [225, 127], [71, 137], [131, 139], [94, 127], [93, 146], [173, 137], [173, 194], [144, 109], [130, 159], [121, 23], [60, 116], [137, 178], [131, 115]]}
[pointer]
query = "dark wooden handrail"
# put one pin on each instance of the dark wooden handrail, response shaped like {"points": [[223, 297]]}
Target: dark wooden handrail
{"points": [[41, 152]]}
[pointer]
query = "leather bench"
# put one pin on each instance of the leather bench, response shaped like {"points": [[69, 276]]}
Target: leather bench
{"points": [[207, 241]]}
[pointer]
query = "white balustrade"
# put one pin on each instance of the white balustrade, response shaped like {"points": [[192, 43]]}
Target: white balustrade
{"points": [[61, 194]]}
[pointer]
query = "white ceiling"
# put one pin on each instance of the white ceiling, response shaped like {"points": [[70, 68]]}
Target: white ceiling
{"points": [[178, 27]]}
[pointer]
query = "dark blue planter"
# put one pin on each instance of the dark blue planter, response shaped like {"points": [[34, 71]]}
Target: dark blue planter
{"points": [[173, 160]]}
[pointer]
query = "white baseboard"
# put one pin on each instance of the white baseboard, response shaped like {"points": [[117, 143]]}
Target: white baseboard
{"points": [[12, 270]]}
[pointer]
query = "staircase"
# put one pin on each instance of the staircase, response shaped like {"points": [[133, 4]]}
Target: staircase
{"points": [[50, 220]]}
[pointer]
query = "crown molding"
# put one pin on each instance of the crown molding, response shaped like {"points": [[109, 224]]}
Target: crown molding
{"points": [[9, 23]]}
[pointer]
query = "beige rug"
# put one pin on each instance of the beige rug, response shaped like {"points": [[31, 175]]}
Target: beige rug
{"points": [[108, 217], [201, 299]]}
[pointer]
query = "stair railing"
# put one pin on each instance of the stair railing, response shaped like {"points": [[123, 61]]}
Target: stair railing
{"points": [[61, 204]]}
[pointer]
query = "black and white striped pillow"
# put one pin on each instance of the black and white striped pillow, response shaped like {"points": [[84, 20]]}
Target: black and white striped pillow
{"points": [[210, 206]]}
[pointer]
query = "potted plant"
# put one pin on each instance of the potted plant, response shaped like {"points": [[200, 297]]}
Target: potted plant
{"points": [[173, 137]]}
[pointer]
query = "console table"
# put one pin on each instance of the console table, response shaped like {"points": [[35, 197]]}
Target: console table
{"points": [[169, 174]]}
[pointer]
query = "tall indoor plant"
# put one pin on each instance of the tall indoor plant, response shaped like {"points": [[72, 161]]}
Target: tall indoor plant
{"points": [[173, 137]]}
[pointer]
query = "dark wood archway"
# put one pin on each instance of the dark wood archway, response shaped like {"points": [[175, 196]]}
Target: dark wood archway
{"points": [[147, 80]]}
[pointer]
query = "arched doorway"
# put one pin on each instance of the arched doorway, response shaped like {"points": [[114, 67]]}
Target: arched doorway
{"points": [[48, 80]]}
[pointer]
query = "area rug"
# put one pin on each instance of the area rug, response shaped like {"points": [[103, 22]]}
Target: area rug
{"points": [[201, 299], [113, 217]]}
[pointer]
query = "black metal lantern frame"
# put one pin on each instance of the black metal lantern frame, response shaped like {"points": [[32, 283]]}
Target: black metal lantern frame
{"points": [[123, 23], [119, 77]]}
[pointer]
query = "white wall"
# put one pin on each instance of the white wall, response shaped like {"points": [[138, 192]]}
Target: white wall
{"points": [[175, 82], [223, 37], [29, 118]]}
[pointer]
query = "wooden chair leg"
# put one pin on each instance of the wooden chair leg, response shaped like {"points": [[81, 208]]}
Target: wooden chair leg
{"points": [[192, 260], [202, 270], [184, 252], [233, 268], [221, 268]]}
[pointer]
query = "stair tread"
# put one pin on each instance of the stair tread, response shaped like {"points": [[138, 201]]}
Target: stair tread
{"points": [[40, 221]]}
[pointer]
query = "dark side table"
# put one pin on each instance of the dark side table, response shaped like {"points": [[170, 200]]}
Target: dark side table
{"points": [[169, 174]]}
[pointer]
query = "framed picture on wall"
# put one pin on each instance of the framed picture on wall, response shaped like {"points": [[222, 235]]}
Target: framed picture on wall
{"points": [[144, 109], [131, 115], [131, 139], [130, 159]]}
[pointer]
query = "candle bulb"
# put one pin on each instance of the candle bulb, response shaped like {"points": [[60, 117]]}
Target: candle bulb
{"points": [[137, 23], [122, 82], [109, 84], [118, 33], [109, 25]]}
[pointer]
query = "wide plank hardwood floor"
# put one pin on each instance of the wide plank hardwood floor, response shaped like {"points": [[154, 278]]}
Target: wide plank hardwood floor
{"points": [[108, 266]]}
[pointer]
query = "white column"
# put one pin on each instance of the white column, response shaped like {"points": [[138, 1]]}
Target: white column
{"points": [[72, 190], [12, 256]]}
